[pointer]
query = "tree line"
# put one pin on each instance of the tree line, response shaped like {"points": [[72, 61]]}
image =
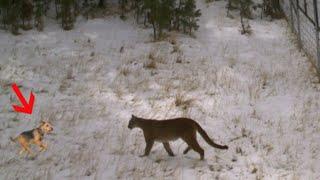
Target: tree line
{"points": [[162, 15]]}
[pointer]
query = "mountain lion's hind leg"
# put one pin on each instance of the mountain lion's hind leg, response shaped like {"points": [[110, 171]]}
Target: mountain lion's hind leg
{"points": [[187, 150], [193, 143]]}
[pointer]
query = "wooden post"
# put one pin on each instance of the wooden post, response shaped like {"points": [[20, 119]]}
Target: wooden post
{"points": [[317, 31], [291, 16], [298, 23]]}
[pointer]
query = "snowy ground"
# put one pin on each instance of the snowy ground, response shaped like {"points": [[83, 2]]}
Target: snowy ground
{"points": [[258, 94]]}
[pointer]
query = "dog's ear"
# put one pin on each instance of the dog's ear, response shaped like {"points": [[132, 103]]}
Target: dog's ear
{"points": [[42, 122]]}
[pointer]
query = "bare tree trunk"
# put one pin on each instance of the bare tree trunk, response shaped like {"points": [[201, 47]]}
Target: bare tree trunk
{"points": [[154, 30], [57, 2], [101, 4]]}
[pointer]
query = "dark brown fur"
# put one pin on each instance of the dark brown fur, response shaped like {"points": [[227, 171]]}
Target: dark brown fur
{"points": [[33, 136], [170, 130]]}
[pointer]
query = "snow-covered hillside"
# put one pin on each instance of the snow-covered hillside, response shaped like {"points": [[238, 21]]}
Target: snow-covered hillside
{"points": [[258, 94]]}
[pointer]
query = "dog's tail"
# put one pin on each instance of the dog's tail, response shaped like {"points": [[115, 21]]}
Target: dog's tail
{"points": [[13, 139], [207, 138]]}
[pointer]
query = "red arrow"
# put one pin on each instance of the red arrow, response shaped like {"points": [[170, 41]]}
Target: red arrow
{"points": [[26, 107]]}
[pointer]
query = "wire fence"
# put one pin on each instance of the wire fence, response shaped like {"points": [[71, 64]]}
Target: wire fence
{"points": [[303, 17]]}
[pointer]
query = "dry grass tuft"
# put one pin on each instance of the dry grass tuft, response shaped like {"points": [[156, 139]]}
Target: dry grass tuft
{"points": [[264, 79], [183, 102], [176, 49], [179, 59], [65, 84], [232, 62], [173, 40], [125, 71], [254, 91], [119, 92], [166, 87], [151, 62]]}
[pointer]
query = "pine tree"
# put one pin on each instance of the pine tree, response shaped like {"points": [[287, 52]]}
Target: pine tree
{"points": [[139, 8], [168, 14], [67, 18], [88, 7], [123, 4], [165, 16], [4, 12], [26, 14], [242, 5], [76, 8], [57, 6], [189, 16], [272, 8], [39, 14], [14, 16], [46, 6], [101, 4], [177, 15], [245, 12], [160, 14], [150, 8]]}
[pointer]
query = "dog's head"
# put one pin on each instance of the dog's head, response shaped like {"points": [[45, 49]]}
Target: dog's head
{"points": [[46, 126], [132, 122]]}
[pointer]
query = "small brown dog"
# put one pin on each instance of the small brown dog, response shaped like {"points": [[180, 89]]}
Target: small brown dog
{"points": [[33, 136]]}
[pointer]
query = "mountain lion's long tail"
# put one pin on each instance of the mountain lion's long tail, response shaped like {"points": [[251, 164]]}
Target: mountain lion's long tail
{"points": [[207, 138]]}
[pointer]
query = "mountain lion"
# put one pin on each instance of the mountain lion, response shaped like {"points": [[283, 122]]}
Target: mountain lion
{"points": [[170, 130]]}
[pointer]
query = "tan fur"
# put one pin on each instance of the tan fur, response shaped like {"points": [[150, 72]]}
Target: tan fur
{"points": [[33, 136], [170, 130]]}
